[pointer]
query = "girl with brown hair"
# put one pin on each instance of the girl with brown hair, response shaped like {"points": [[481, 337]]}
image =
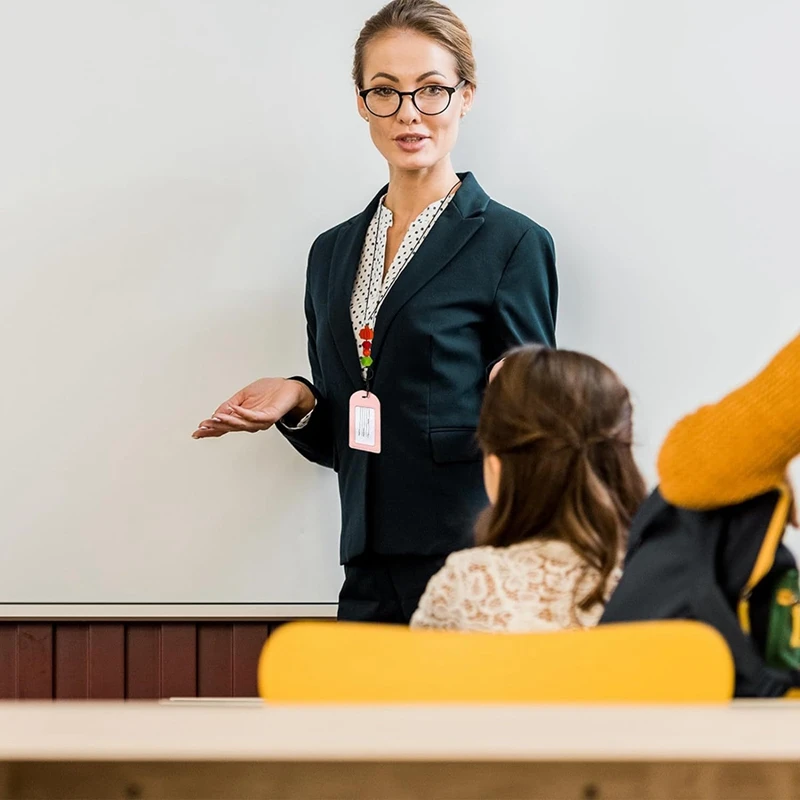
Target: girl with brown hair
{"points": [[556, 435]]}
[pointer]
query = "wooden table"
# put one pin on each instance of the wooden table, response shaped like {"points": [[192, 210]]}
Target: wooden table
{"points": [[244, 750]]}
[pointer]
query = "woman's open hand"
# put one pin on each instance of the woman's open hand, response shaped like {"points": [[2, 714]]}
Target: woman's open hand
{"points": [[258, 407]]}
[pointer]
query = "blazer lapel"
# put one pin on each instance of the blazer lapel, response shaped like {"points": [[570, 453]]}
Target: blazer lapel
{"points": [[344, 264], [458, 223]]}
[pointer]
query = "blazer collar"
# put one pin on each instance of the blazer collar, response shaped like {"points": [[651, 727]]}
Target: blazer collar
{"points": [[455, 227]]}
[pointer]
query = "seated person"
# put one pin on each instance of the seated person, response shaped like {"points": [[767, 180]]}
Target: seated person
{"points": [[740, 447], [556, 434]]}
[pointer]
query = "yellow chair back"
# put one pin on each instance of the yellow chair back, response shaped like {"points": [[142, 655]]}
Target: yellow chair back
{"points": [[647, 662]]}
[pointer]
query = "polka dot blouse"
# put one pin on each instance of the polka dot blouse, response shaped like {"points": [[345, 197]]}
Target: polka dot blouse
{"points": [[370, 284]]}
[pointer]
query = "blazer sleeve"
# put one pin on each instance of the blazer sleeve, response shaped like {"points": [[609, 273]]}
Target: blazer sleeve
{"points": [[526, 300], [315, 440]]}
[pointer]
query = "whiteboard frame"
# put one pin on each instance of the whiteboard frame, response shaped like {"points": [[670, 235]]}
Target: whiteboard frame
{"points": [[88, 612]]}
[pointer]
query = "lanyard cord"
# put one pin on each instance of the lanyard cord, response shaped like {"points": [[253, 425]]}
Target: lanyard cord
{"points": [[372, 316]]}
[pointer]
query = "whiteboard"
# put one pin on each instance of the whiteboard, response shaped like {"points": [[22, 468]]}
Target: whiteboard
{"points": [[160, 186]]}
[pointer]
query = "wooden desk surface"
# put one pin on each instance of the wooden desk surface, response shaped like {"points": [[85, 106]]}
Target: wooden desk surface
{"points": [[217, 750], [149, 731]]}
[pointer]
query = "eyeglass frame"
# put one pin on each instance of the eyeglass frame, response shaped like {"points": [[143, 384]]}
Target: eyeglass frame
{"points": [[451, 90]]}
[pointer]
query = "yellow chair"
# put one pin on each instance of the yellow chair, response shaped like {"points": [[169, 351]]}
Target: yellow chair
{"points": [[648, 662]]}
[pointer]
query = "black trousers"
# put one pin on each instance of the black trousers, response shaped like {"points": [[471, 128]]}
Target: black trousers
{"points": [[385, 588]]}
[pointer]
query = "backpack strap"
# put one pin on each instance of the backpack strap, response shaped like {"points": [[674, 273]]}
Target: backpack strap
{"points": [[766, 554], [753, 677]]}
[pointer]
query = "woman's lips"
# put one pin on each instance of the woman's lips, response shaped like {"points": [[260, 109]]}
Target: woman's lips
{"points": [[411, 143]]}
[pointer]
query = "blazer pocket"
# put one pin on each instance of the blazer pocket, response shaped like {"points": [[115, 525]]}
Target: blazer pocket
{"points": [[451, 445]]}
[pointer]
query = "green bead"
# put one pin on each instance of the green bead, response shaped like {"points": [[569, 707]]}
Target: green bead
{"points": [[366, 361]]}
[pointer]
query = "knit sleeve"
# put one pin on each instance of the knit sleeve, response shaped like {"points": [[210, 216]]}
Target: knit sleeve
{"points": [[739, 447]]}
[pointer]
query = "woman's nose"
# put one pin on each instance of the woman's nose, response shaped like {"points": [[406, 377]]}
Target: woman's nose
{"points": [[408, 112]]}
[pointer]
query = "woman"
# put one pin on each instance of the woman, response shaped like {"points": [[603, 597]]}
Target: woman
{"points": [[408, 305], [560, 422]]}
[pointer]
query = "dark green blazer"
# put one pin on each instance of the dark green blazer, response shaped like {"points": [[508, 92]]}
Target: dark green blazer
{"points": [[483, 281]]}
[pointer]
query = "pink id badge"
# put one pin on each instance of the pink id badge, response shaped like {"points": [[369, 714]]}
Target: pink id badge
{"points": [[365, 422]]}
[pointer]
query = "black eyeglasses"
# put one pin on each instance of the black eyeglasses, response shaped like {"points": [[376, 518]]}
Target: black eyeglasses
{"points": [[383, 101]]}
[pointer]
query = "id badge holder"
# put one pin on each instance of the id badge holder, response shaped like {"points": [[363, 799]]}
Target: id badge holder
{"points": [[365, 422]]}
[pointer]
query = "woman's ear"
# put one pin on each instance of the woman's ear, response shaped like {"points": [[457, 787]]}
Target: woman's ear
{"points": [[492, 468], [362, 109], [467, 98]]}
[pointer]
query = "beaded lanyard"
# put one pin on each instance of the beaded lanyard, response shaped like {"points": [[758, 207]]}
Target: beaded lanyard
{"points": [[367, 333]]}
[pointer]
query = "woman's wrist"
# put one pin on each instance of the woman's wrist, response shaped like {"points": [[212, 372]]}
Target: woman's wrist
{"points": [[305, 404]]}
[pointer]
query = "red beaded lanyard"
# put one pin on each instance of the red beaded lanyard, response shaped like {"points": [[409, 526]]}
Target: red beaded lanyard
{"points": [[367, 332]]}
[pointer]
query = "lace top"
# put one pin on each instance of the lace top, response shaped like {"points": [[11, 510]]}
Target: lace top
{"points": [[531, 586]]}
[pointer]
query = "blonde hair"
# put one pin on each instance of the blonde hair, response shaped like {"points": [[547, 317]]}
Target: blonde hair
{"points": [[427, 17]]}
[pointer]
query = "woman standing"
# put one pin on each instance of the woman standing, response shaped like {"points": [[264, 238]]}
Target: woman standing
{"points": [[408, 306]]}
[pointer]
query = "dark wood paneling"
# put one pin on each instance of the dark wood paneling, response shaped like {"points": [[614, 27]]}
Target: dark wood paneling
{"points": [[215, 660], [107, 661], [143, 662], [35, 661], [71, 662], [178, 660], [8, 661], [135, 660], [248, 640]]}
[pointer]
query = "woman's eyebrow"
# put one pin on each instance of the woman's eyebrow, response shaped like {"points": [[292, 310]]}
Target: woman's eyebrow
{"points": [[396, 79]]}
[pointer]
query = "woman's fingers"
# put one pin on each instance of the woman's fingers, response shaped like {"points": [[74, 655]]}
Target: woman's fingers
{"points": [[218, 426], [208, 429], [222, 423], [208, 433], [264, 417], [270, 399], [235, 423]]}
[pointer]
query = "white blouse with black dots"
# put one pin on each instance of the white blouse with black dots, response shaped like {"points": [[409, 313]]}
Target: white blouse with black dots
{"points": [[378, 230], [371, 282]]}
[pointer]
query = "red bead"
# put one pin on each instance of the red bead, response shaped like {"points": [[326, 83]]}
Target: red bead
{"points": [[366, 332], [366, 347]]}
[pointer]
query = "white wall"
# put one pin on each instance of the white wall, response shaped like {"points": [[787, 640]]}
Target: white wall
{"points": [[160, 186]]}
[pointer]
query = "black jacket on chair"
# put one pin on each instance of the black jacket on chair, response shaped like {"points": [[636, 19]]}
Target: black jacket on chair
{"points": [[686, 564], [482, 281]]}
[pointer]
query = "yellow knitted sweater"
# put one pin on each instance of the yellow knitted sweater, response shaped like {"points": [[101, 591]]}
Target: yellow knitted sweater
{"points": [[739, 447]]}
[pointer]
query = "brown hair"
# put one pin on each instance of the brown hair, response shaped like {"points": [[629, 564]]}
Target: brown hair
{"points": [[561, 424], [427, 17]]}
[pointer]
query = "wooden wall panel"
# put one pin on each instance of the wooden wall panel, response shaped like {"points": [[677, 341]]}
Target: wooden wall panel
{"points": [[248, 639], [215, 660], [107, 661], [133, 660], [71, 662], [8, 661], [35, 661], [178, 660], [143, 662]]}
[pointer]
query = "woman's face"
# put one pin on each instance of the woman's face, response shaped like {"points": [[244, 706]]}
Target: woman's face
{"points": [[403, 60]]}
